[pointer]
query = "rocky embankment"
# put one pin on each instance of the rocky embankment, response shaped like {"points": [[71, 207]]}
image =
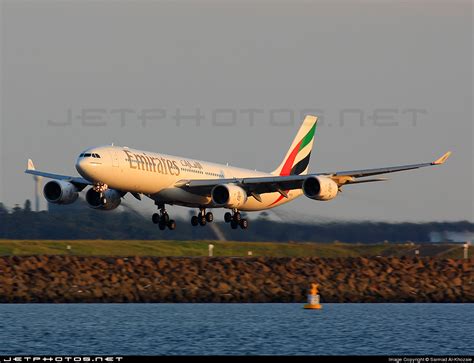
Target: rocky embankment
{"points": [[225, 279]]}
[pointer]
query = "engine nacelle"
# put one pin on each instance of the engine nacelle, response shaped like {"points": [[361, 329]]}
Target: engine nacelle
{"points": [[113, 199], [320, 188], [60, 192], [228, 195]]}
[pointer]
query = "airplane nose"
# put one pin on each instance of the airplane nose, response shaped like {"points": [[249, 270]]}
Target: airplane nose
{"points": [[88, 165], [82, 165]]}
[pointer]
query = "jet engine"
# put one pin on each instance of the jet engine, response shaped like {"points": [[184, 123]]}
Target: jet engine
{"points": [[228, 195], [113, 198], [320, 188], [60, 192]]}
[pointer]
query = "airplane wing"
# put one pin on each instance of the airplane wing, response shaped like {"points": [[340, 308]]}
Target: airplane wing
{"points": [[259, 185], [349, 177], [79, 182]]}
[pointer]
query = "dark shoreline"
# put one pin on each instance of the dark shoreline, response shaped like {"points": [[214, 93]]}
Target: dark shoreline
{"points": [[77, 279]]}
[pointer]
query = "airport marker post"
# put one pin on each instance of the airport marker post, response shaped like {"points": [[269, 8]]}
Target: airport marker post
{"points": [[466, 250]]}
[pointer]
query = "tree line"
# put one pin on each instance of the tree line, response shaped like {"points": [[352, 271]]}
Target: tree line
{"points": [[23, 223]]}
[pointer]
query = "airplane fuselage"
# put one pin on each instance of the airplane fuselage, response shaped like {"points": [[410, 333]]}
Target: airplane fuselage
{"points": [[156, 175]]}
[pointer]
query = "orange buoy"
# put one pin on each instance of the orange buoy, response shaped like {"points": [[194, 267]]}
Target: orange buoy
{"points": [[313, 298]]}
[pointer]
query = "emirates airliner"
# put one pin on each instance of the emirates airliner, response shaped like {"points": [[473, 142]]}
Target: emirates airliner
{"points": [[113, 171]]}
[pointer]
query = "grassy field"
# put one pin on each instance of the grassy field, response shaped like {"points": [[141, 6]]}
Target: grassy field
{"points": [[200, 248]]}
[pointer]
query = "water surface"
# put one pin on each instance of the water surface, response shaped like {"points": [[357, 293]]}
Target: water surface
{"points": [[220, 329]]}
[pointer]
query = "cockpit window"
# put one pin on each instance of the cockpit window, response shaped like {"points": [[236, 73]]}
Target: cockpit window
{"points": [[89, 155]]}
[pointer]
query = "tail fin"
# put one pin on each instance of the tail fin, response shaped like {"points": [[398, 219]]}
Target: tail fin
{"points": [[296, 160]]}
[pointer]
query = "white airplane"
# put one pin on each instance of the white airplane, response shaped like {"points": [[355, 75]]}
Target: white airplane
{"points": [[113, 171]]}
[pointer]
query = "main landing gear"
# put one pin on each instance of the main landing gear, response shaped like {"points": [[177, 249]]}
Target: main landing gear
{"points": [[235, 219], [163, 219], [202, 218]]}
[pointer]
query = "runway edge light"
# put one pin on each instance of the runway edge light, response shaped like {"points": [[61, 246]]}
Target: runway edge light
{"points": [[313, 298]]}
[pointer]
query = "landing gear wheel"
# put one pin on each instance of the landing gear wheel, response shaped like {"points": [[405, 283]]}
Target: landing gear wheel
{"points": [[227, 217], [237, 217], [172, 224], [234, 224], [244, 223], [209, 217], [161, 218], [194, 221], [202, 220], [165, 218]]}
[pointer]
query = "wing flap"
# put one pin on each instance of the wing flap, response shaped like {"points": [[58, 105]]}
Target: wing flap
{"points": [[377, 171], [365, 181]]}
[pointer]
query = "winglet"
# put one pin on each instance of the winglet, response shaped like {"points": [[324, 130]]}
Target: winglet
{"points": [[31, 166], [442, 159]]}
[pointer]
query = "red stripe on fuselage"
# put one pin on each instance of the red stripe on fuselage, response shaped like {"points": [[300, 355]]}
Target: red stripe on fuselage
{"points": [[276, 201]]}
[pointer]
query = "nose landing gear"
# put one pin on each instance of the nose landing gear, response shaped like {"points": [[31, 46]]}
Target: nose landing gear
{"points": [[101, 188], [163, 219]]}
